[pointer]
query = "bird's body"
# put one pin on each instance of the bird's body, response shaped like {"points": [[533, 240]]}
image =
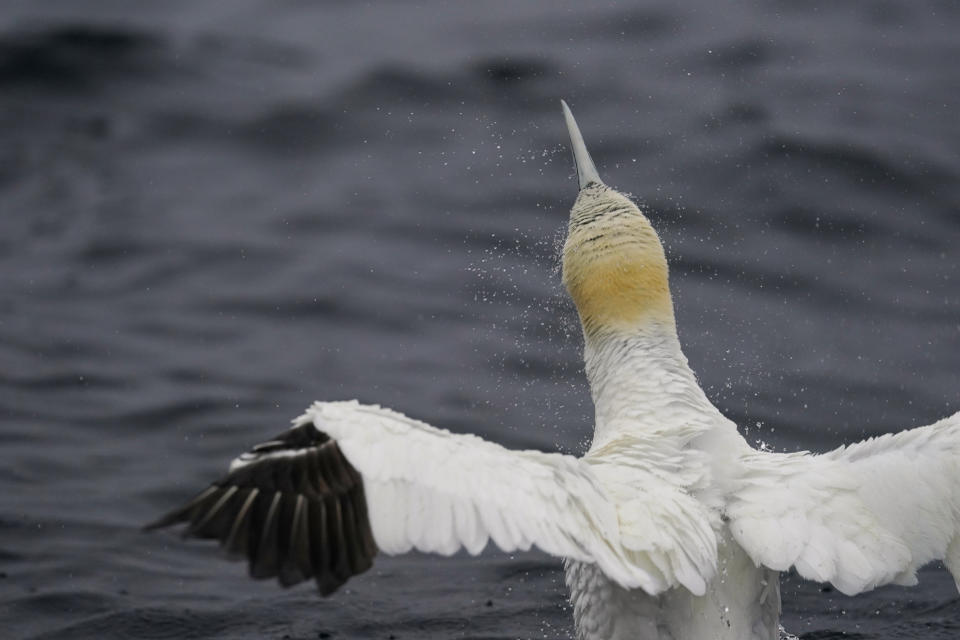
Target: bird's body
{"points": [[742, 605], [643, 388], [672, 526]]}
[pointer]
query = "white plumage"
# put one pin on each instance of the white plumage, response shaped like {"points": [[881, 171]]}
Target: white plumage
{"points": [[672, 527], [858, 517], [436, 491]]}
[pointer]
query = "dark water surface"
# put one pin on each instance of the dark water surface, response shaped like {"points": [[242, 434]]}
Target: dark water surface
{"points": [[213, 213]]}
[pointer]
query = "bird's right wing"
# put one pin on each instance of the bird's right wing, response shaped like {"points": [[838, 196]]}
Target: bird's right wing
{"points": [[301, 505], [858, 517]]}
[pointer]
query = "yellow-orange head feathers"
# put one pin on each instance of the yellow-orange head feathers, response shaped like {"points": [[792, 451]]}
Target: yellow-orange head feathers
{"points": [[613, 262]]}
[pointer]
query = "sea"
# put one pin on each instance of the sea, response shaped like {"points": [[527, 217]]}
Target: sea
{"points": [[214, 213]]}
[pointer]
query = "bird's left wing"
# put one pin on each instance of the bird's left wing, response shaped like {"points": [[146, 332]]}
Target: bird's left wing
{"points": [[347, 479], [858, 517]]}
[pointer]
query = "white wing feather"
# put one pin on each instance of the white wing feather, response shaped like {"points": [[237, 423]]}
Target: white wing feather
{"points": [[436, 491], [859, 517]]}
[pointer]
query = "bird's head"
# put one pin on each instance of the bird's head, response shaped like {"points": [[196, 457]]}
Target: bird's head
{"points": [[613, 262]]}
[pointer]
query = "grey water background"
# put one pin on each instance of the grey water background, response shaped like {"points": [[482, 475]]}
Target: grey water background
{"points": [[212, 214]]}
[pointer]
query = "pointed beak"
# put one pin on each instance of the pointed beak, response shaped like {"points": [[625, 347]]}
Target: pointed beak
{"points": [[586, 170]]}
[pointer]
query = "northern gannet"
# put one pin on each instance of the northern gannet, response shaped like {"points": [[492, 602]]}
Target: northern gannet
{"points": [[671, 526]]}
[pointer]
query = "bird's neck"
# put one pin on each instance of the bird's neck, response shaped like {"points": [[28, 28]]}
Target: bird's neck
{"points": [[640, 381]]}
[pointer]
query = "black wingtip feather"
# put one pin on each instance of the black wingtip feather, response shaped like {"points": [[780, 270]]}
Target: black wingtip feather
{"points": [[266, 560], [180, 514], [295, 509]]}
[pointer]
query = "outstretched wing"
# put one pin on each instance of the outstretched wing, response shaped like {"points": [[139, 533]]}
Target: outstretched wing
{"points": [[858, 517], [308, 503]]}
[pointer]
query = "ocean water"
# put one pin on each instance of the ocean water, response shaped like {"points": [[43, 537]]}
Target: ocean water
{"points": [[212, 214]]}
